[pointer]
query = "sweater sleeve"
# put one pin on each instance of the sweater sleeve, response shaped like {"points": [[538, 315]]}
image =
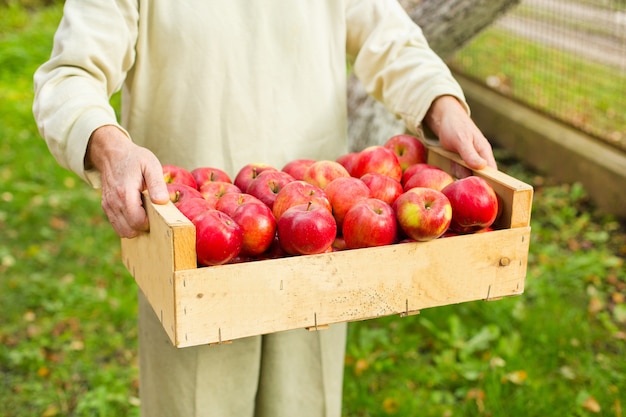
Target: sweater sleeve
{"points": [[93, 50], [393, 61]]}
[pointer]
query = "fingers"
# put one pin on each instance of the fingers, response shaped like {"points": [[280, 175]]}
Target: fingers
{"points": [[123, 181], [124, 209], [462, 136], [457, 132], [476, 152]]}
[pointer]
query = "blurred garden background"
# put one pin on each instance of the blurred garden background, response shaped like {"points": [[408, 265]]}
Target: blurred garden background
{"points": [[68, 316]]}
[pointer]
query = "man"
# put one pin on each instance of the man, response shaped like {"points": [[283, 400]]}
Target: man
{"points": [[210, 83]]}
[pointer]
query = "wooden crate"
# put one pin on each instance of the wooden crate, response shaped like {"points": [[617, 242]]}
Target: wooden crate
{"points": [[218, 304]]}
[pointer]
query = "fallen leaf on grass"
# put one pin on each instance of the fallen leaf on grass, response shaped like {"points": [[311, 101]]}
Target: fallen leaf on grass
{"points": [[516, 377], [595, 305], [619, 312], [390, 405], [591, 404], [588, 402], [50, 411], [360, 366], [567, 372], [478, 396], [617, 407]]}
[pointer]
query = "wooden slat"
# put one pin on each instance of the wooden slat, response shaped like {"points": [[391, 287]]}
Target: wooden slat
{"points": [[233, 301]]}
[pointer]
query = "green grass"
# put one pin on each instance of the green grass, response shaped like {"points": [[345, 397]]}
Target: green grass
{"points": [[68, 327]]}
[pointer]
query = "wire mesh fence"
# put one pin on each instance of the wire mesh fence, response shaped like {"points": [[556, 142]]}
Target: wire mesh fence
{"points": [[565, 58]]}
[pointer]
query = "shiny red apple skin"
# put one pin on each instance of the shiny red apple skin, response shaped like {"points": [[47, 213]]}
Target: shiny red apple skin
{"points": [[214, 190], [268, 184], [383, 187], [306, 229], [180, 192], [377, 158], [348, 161], [192, 207], [369, 223], [258, 226], [321, 173], [408, 149], [203, 175], [174, 174], [249, 172], [218, 238], [343, 193], [428, 177], [423, 213], [298, 192], [229, 202], [474, 204], [411, 170], [298, 167]]}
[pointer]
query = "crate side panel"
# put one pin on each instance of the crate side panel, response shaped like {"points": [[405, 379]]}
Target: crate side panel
{"points": [[152, 257], [233, 301]]}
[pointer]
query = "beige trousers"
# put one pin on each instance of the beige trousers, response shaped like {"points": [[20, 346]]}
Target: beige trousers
{"points": [[294, 373]]}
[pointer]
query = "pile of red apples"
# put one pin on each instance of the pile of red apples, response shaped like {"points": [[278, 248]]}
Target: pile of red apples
{"points": [[382, 195]]}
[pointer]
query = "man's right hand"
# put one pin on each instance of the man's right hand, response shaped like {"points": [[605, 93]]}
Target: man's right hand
{"points": [[126, 169]]}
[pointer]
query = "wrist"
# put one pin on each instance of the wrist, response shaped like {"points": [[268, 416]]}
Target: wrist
{"points": [[103, 144], [441, 106]]}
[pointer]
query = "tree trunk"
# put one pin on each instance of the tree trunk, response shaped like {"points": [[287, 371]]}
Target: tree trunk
{"points": [[448, 25]]}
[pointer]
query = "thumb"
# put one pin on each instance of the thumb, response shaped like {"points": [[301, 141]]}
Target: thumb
{"points": [[155, 184]]}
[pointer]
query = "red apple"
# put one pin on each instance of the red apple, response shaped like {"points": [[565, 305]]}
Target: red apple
{"points": [[174, 174], [229, 202], [191, 207], [218, 238], [249, 172], [408, 173], [370, 222], [428, 177], [180, 192], [320, 173], [423, 213], [267, 184], [258, 226], [348, 161], [379, 159], [214, 190], [343, 193], [298, 192], [408, 149], [382, 187], [203, 175], [298, 167], [474, 204], [306, 229]]}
